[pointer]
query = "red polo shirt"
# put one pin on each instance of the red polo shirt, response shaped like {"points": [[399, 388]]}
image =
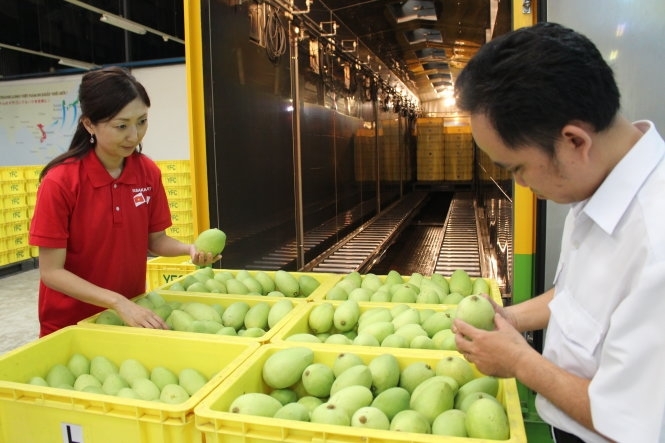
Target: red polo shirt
{"points": [[104, 225]]}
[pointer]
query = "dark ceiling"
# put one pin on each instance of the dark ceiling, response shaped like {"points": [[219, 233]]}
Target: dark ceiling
{"points": [[423, 42]]}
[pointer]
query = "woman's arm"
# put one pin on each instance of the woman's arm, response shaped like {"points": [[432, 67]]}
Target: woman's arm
{"points": [[54, 275]]}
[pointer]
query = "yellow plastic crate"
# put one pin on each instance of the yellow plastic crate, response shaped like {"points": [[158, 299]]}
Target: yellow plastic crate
{"points": [[168, 166], [180, 204], [219, 425], [11, 173], [14, 214], [13, 187], [14, 201], [30, 413], [326, 281], [31, 173], [210, 299], [164, 270]]}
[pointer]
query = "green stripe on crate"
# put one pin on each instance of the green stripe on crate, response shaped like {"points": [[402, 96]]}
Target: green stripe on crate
{"points": [[522, 277]]}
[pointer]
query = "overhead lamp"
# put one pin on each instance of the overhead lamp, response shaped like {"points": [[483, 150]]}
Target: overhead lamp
{"points": [[123, 23], [77, 64]]}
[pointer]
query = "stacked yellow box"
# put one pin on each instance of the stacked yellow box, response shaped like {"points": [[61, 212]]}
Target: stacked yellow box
{"points": [[15, 215], [364, 155], [176, 176], [458, 154], [430, 149]]}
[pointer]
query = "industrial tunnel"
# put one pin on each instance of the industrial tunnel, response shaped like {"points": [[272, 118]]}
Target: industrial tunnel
{"points": [[424, 231]]}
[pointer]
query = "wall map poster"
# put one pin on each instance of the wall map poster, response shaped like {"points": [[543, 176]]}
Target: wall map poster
{"points": [[37, 121]]}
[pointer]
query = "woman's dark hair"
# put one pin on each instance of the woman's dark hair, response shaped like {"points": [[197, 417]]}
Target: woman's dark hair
{"points": [[531, 82], [102, 94]]}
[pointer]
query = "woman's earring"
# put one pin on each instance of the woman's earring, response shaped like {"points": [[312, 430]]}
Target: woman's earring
{"points": [[92, 139]]}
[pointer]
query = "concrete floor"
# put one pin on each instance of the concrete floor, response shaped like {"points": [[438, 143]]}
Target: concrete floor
{"points": [[18, 309]]}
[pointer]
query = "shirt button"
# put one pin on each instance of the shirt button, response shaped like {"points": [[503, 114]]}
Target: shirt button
{"points": [[115, 185], [117, 208]]}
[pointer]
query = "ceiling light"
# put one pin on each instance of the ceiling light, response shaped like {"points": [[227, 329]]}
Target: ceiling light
{"points": [[77, 64], [123, 23]]}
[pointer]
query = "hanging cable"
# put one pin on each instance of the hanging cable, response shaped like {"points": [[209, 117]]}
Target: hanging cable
{"points": [[275, 32]]}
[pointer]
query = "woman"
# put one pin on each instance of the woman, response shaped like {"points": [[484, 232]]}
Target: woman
{"points": [[101, 208]]}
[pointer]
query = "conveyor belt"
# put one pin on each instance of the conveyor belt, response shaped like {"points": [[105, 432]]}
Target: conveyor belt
{"points": [[285, 254], [459, 249], [367, 243]]}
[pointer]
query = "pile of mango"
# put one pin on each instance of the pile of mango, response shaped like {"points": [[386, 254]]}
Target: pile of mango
{"points": [[447, 398], [248, 319], [398, 326], [416, 288], [128, 379], [243, 282]]}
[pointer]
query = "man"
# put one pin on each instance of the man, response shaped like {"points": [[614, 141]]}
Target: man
{"points": [[544, 104]]}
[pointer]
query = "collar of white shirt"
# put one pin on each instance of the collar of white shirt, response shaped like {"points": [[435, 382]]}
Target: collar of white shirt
{"points": [[610, 201]]}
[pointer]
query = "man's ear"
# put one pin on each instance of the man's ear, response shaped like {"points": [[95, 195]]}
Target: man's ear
{"points": [[578, 138]]}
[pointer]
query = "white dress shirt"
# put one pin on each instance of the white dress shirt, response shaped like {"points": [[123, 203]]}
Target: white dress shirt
{"points": [[608, 312]]}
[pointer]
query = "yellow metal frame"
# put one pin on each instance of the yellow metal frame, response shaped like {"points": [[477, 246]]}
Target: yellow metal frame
{"points": [[196, 114]]}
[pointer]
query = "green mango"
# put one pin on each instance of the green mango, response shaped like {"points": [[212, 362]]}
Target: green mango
{"points": [[373, 315], [181, 320], [404, 294], [255, 403], [385, 372], [414, 374], [109, 317], [477, 311], [436, 322], [371, 418], [278, 311], [293, 411], [392, 400], [257, 316], [266, 282], [441, 282], [234, 314], [201, 311], [320, 318], [468, 399], [303, 337], [162, 376], [450, 423], [317, 379], [487, 419], [480, 286], [101, 367], [358, 375], [409, 420], [307, 284], [371, 281], [173, 394], [286, 366], [328, 413], [145, 389], [211, 240], [363, 339], [379, 330], [78, 364], [456, 367], [86, 380], [336, 293], [345, 360], [485, 383], [460, 281], [131, 369], [286, 395], [351, 398], [345, 317], [113, 384], [235, 286], [191, 379], [287, 283], [432, 396]]}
